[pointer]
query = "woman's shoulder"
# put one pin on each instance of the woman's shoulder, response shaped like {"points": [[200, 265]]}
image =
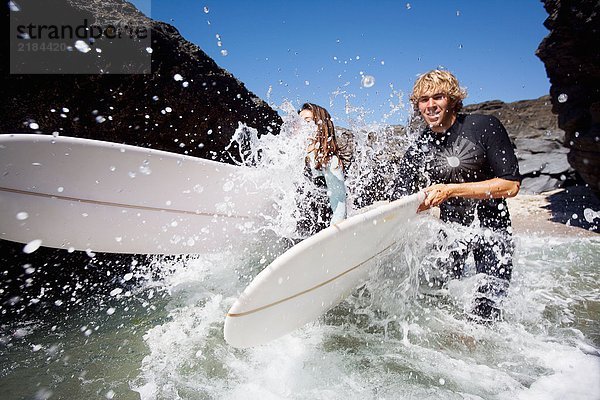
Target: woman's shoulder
{"points": [[334, 162]]}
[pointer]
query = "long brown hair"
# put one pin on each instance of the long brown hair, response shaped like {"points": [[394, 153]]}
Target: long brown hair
{"points": [[324, 145]]}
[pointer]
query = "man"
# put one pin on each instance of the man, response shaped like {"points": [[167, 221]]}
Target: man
{"points": [[467, 166]]}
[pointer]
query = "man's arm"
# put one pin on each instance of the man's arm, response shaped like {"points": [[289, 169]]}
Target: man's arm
{"points": [[489, 189]]}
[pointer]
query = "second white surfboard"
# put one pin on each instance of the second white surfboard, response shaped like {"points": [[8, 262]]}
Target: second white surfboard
{"points": [[315, 275]]}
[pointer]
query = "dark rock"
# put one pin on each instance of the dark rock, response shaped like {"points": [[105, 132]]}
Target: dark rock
{"points": [[522, 119], [541, 145], [534, 130], [539, 184], [572, 63], [531, 164], [556, 163], [204, 113]]}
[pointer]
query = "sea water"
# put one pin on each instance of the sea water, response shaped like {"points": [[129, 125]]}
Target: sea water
{"points": [[395, 337]]}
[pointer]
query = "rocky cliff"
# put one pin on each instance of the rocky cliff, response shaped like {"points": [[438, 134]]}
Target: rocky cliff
{"points": [[186, 104], [570, 54], [538, 139]]}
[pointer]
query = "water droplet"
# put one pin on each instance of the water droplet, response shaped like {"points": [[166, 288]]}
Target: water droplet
{"points": [[228, 186], [307, 83], [367, 81], [32, 246], [562, 98], [34, 125], [453, 161], [22, 216], [442, 381], [590, 215], [145, 168], [168, 109], [408, 6], [100, 119], [110, 311], [149, 50], [178, 77], [116, 292], [198, 189], [82, 46], [224, 53], [206, 10], [13, 6]]}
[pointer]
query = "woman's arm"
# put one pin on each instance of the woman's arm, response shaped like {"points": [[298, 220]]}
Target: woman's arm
{"points": [[336, 189], [489, 189]]}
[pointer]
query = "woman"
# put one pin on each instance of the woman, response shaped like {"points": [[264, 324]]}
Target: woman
{"points": [[325, 205]]}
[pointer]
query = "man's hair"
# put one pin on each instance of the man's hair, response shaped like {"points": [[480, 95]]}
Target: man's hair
{"points": [[438, 81]]}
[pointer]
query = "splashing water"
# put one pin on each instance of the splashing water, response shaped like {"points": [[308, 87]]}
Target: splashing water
{"points": [[367, 81], [156, 332]]}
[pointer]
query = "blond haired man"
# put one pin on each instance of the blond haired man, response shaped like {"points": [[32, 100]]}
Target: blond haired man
{"points": [[466, 165]]}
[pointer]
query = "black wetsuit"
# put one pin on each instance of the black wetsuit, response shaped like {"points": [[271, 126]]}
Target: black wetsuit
{"points": [[475, 148]]}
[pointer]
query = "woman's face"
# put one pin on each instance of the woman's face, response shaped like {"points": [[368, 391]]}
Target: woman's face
{"points": [[307, 115]]}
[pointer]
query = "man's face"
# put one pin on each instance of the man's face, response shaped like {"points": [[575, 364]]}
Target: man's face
{"points": [[437, 110]]}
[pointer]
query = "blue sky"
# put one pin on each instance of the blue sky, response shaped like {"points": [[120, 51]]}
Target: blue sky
{"points": [[319, 51]]}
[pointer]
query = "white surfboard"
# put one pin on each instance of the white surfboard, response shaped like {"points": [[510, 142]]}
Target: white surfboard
{"points": [[108, 197], [315, 275]]}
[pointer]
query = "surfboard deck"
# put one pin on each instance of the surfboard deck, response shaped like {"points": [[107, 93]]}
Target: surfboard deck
{"points": [[86, 194], [315, 275]]}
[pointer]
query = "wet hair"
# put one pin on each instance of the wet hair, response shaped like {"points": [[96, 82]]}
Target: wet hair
{"points": [[324, 143], [438, 81]]}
